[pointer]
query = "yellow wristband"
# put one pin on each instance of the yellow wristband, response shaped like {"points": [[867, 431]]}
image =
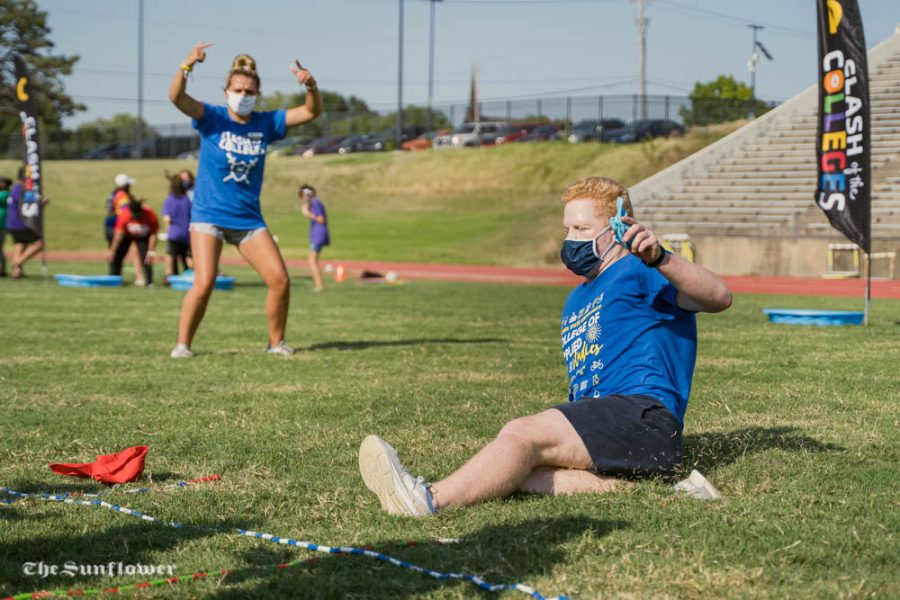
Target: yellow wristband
{"points": [[186, 67]]}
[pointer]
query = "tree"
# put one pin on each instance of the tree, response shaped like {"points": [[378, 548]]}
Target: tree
{"points": [[24, 31], [121, 126], [723, 99]]}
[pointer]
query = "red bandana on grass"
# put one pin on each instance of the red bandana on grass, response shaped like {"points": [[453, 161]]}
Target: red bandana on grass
{"points": [[119, 467]]}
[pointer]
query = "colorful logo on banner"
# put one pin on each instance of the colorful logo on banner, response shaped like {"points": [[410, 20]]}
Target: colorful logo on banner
{"points": [[843, 189]]}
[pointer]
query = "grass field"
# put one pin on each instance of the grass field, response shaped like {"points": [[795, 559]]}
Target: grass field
{"points": [[477, 205], [798, 427]]}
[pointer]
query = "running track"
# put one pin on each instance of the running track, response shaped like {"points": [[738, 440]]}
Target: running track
{"points": [[800, 286]]}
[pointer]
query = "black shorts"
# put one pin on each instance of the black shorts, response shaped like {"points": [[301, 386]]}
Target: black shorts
{"points": [[627, 436], [178, 248], [23, 236]]}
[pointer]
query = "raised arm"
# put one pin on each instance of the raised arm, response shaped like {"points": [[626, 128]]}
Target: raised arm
{"points": [[313, 106], [177, 94], [699, 289]]}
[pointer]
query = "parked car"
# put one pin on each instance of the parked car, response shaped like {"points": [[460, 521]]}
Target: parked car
{"points": [[424, 141], [387, 139], [507, 132], [288, 145], [644, 129], [467, 134], [591, 129], [541, 134], [324, 145], [353, 143], [108, 151]]}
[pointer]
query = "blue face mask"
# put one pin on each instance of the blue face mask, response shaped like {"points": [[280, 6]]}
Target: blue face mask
{"points": [[581, 257]]}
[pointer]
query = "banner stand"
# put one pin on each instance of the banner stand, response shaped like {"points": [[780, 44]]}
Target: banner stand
{"points": [[868, 288], [843, 141]]}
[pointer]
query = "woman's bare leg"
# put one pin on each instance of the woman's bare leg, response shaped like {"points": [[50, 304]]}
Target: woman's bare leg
{"points": [[263, 254], [316, 271], [207, 250]]}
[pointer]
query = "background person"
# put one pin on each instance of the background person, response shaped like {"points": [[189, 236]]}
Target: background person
{"points": [[313, 209], [5, 184], [233, 140], [26, 242], [136, 224], [176, 215], [629, 339], [117, 201], [188, 178]]}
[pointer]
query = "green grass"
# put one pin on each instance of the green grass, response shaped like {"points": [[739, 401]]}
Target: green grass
{"points": [[484, 205], [797, 426]]}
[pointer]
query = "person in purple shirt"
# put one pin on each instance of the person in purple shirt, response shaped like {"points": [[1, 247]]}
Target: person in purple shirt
{"points": [[226, 205], [26, 242], [313, 209], [177, 218]]}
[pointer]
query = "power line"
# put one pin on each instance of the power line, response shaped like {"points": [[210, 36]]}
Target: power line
{"points": [[726, 18]]}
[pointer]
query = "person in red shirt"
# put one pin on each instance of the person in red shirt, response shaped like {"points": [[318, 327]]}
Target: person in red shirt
{"points": [[135, 223]]}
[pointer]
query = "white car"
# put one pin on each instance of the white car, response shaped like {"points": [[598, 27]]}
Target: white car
{"points": [[467, 134]]}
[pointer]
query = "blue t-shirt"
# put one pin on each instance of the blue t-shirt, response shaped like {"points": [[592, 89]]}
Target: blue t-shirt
{"points": [[622, 333], [230, 170]]}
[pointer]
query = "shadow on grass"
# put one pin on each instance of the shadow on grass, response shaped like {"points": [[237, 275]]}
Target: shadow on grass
{"points": [[363, 344], [131, 543], [500, 554], [711, 450]]}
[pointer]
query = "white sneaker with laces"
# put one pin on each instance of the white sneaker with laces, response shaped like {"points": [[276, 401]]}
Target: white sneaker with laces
{"points": [[181, 351], [697, 486], [399, 492], [280, 348]]}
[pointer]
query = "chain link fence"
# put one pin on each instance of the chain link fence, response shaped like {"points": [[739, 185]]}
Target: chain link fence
{"points": [[181, 140]]}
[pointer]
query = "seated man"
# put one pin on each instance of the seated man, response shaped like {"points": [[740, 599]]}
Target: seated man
{"points": [[629, 339]]}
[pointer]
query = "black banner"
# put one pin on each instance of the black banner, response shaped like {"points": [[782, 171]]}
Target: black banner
{"points": [[31, 207], [843, 188]]}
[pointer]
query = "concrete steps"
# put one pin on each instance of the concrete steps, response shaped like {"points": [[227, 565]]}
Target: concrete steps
{"points": [[760, 182]]}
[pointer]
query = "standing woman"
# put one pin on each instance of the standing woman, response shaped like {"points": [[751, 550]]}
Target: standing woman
{"points": [[313, 209], [233, 140]]}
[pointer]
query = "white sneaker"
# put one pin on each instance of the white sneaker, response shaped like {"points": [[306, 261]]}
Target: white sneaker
{"points": [[140, 282], [697, 486], [280, 348], [399, 492], [181, 351]]}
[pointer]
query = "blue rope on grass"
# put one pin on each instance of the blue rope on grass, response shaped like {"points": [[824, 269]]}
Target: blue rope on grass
{"points": [[440, 576]]}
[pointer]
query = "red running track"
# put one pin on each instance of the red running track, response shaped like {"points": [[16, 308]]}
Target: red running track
{"points": [[800, 286]]}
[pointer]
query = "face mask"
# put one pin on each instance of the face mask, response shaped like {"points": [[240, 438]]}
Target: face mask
{"points": [[241, 104], [581, 257]]}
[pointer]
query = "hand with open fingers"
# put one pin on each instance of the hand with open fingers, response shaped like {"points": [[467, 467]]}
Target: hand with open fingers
{"points": [[303, 75], [198, 53], [644, 243]]}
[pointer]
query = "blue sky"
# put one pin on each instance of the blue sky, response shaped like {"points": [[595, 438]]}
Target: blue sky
{"points": [[524, 48]]}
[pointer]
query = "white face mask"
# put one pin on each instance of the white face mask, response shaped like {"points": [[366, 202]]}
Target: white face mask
{"points": [[240, 103]]}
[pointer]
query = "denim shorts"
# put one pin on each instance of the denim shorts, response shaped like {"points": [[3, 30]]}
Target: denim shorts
{"points": [[627, 435], [232, 236]]}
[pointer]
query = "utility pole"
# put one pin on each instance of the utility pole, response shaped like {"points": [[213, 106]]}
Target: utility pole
{"points": [[431, 61], [400, 80], [751, 66], [140, 110], [642, 23]]}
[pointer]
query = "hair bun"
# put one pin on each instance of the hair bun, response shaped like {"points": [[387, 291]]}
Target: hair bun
{"points": [[244, 63]]}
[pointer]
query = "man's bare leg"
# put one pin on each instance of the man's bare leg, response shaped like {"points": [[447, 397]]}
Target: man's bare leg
{"points": [[546, 439], [553, 481]]}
